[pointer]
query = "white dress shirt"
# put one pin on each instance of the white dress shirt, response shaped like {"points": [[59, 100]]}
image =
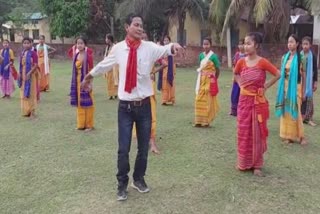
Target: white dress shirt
{"points": [[147, 54]]}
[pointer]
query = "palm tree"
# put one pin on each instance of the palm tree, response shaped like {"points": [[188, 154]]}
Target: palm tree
{"points": [[175, 10], [273, 14]]}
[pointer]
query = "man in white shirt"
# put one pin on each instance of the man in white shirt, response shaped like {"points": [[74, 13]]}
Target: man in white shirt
{"points": [[135, 59]]}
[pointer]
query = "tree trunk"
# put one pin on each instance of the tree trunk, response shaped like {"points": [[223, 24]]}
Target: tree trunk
{"points": [[112, 25], [251, 22], [181, 20], [1, 31], [165, 29]]}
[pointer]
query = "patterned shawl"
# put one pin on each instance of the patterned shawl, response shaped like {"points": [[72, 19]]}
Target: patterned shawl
{"points": [[27, 82], [6, 61], [288, 102], [170, 75], [85, 98], [308, 59]]}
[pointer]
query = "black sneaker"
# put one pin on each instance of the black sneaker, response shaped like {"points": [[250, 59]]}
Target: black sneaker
{"points": [[122, 195], [141, 186]]}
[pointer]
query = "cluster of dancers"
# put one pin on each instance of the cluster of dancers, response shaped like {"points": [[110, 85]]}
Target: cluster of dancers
{"points": [[130, 68], [33, 75]]}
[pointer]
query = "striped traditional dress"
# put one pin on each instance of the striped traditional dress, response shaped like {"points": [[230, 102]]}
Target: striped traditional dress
{"points": [[253, 113]]}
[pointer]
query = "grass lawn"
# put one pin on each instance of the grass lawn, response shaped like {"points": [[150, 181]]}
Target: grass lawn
{"points": [[46, 166]]}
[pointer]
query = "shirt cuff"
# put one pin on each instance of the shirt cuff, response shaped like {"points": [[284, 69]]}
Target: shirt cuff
{"points": [[94, 72], [169, 49]]}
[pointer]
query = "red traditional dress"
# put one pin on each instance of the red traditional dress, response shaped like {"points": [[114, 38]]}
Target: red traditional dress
{"points": [[253, 113]]}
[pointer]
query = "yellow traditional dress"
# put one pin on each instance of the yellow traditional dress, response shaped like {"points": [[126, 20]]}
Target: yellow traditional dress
{"points": [[168, 87], [206, 105], [28, 100], [81, 99], [292, 129], [112, 78]]}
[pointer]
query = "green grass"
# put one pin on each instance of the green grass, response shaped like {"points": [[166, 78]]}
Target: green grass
{"points": [[46, 166]]}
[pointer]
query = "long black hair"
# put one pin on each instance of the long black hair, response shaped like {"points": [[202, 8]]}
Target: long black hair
{"points": [[296, 38], [257, 37]]}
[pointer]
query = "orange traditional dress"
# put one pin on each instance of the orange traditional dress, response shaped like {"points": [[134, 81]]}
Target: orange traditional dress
{"points": [[44, 66]]}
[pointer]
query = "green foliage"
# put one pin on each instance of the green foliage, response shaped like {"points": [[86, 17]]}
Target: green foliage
{"points": [[5, 9], [67, 18]]}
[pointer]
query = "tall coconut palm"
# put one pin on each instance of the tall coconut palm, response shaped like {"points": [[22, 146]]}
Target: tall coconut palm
{"points": [[273, 14]]}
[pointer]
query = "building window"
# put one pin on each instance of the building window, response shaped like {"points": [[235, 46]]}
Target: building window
{"points": [[12, 37], [204, 34], [53, 37], [26, 33], [35, 22], [25, 22], [35, 34]]}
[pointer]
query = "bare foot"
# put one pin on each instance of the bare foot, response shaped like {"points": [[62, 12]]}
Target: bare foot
{"points": [[311, 123], [287, 141], [303, 142], [88, 129], [258, 173], [155, 150], [153, 146], [33, 116]]}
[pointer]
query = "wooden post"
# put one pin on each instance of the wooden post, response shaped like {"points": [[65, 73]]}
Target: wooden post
{"points": [[316, 33], [229, 47]]}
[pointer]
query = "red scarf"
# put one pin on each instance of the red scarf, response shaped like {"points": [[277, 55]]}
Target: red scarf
{"points": [[131, 76]]}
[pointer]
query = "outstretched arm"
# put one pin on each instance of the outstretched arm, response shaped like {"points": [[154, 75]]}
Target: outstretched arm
{"points": [[161, 51], [106, 65]]}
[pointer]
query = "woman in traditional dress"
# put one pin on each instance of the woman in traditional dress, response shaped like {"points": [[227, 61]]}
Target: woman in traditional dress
{"points": [[7, 71], [235, 92], [111, 77], [27, 81], [43, 51], [311, 68], [166, 81], [206, 103], [253, 107], [291, 92], [83, 100]]}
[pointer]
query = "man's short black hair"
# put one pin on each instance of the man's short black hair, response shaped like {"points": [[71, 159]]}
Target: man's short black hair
{"points": [[131, 16]]}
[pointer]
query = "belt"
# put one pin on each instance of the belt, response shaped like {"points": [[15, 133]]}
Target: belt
{"points": [[136, 103]]}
